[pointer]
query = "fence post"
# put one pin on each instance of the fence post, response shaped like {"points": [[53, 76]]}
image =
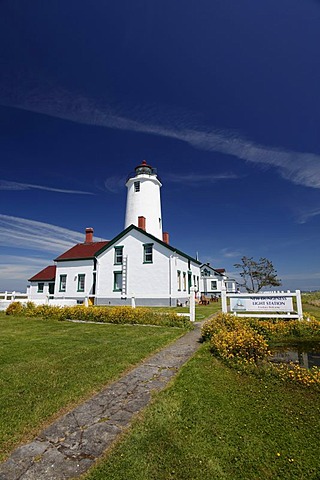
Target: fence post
{"points": [[299, 304], [133, 302], [192, 304]]}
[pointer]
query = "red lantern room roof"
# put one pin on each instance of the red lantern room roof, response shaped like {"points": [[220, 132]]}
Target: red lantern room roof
{"points": [[144, 168]]}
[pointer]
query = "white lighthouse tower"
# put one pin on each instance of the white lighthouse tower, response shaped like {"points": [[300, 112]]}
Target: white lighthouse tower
{"points": [[143, 200]]}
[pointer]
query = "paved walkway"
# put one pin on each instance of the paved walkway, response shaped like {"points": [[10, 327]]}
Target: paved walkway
{"points": [[71, 445]]}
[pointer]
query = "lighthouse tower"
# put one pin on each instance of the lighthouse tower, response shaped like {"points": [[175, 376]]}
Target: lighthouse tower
{"points": [[143, 200]]}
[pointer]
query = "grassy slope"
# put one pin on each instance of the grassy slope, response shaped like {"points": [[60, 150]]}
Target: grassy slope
{"points": [[46, 366], [214, 423]]}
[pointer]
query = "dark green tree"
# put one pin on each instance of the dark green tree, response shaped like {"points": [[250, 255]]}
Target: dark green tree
{"points": [[257, 275]]}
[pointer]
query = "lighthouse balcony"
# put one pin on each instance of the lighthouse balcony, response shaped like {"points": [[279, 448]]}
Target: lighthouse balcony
{"points": [[151, 172]]}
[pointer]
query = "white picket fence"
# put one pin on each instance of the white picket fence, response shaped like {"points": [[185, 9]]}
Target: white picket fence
{"points": [[8, 297]]}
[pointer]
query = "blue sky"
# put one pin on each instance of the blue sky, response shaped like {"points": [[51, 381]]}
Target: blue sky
{"points": [[221, 96]]}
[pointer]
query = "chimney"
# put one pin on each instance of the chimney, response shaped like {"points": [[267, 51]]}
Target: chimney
{"points": [[165, 237], [89, 235], [142, 223]]}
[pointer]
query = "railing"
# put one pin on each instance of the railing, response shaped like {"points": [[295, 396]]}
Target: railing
{"points": [[12, 296], [153, 174]]}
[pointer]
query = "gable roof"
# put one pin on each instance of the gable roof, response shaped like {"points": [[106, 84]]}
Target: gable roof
{"points": [[47, 274], [154, 239], [82, 251], [220, 271]]}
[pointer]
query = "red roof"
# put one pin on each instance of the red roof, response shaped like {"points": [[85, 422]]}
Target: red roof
{"points": [[220, 270], [47, 274], [82, 250]]}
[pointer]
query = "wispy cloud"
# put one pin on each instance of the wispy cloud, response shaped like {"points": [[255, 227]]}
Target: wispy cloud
{"points": [[114, 184], [301, 276], [304, 217], [32, 235], [196, 179], [6, 185], [227, 253], [15, 271], [301, 168]]}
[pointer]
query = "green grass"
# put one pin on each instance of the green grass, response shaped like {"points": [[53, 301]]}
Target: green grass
{"points": [[202, 311], [48, 366], [311, 303], [216, 424]]}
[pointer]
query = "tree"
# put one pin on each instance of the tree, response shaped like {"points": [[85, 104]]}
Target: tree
{"points": [[257, 275]]}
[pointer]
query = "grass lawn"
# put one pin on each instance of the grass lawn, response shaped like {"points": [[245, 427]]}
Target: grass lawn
{"points": [[214, 423], [202, 311], [48, 366]]}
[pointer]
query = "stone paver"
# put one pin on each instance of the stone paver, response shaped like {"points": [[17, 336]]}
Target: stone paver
{"points": [[68, 447]]}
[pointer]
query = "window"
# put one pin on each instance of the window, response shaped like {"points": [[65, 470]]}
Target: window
{"points": [[137, 186], [206, 273], [94, 280], [40, 287], [179, 279], [118, 251], [51, 288], [117, 281], [81, 278], [63, 283], [184, 281], [214, 285], [148, 253]]}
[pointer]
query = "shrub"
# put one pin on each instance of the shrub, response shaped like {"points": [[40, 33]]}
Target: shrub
{"points": [[241, 343], [116, 315], [15, 308], [221, 321]]}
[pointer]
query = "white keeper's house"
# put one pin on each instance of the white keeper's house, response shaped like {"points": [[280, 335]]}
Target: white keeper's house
{"points": [[138, 264]]}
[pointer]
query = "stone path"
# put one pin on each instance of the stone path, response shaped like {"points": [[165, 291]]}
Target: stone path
{"points": [[71, 445]]}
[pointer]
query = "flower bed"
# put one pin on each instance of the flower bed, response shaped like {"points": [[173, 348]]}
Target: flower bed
{"points": [[115, 315], [244, 344]]}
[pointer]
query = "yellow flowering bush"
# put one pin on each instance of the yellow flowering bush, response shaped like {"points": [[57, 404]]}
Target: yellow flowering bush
{"points": [[116, 315], [241, 343], [277, 329], [244, 343], [221, 321], [295, 373], [15, 308]]}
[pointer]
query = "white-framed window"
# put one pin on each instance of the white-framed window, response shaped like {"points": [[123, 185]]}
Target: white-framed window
{"points": [[81, 280], [214, 285], [118, 255], [117, 281], [63, 283], [179, 280], [40, 287], [184, 276], [148, 253]]}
